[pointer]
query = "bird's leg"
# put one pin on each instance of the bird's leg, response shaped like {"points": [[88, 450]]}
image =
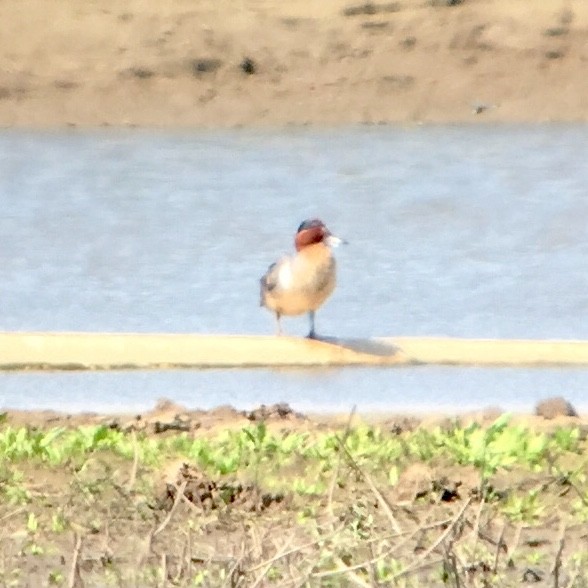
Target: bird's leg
{"points": [[311, 334], [278, 316]]}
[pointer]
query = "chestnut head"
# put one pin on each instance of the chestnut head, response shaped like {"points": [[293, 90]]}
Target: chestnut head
{"points": [[313, 231]]}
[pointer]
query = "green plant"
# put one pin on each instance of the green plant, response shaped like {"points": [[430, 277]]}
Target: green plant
{"points": [[58, 522], [56, 578], [535, 557], [526, 508], [12, 486], [566, 439], [387, 570]]}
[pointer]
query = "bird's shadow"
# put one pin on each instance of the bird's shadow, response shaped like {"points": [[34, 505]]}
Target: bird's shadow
{"points": [[369, 346]]}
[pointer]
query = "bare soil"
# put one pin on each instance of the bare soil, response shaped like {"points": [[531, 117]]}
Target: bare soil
{"points": [[128, 525], [167, 416], [225, 63]]}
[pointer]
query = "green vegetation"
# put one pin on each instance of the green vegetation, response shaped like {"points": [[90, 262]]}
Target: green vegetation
{"points": [[262, 506]]}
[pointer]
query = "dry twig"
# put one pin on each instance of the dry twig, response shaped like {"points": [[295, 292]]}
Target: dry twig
{"points": [[163, 570], [133, 475], [178, 498], [297, 549], [499, 545], [515, 543], [338, 466], [410, 568], [75, 578], [557, 561], [270, 563], [11, 514], [379, 496]]}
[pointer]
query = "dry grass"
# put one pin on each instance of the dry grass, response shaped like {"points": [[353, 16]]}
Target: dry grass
{"points": [[351, 506]]}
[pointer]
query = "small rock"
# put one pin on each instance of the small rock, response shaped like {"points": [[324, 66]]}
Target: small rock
{"points": [[531, 576], [481, 107], [211, 494], [554, 407], [398, 82], [554, 54], [113, 423], [373, 25], [446, 2], [177, 423], [277, 411], [408, 42], [143, 73], [248, 66], [370, 8], [402, 425], [205, 65], [555, 31], [446, 490], [65, 84]]}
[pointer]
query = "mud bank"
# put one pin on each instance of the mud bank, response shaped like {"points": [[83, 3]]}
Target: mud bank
{"points": [[223, 63]]}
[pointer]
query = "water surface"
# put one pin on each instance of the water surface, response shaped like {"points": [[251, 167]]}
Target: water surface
{"points": [[470, 232]]}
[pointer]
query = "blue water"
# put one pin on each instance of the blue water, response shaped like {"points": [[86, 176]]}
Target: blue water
{"points": [[476, 232]]}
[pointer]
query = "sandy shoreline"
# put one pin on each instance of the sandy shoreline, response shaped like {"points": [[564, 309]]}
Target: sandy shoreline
{"points": [[220, 63]]}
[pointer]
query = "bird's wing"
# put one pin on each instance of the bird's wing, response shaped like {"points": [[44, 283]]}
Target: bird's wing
{"points": [[270, 279], [277, 277]]}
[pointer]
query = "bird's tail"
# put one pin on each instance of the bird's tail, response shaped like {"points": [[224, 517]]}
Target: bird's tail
{"points": [[262, 292]]}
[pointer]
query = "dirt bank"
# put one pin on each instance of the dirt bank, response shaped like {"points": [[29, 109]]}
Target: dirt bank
{"points": [[167, 416], [222, 63], [270, 497]]}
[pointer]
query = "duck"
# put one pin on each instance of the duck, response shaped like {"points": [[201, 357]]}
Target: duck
{"points": [[301, 283]]}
